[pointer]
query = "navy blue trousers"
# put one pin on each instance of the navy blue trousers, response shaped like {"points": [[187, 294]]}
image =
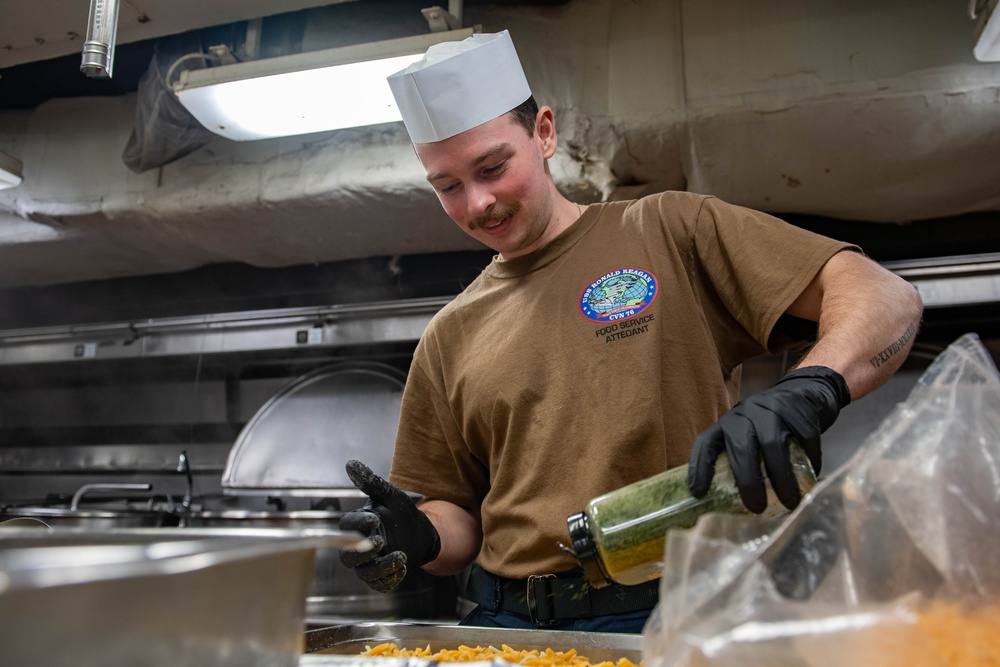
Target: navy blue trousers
{"points": [[632, 622]]}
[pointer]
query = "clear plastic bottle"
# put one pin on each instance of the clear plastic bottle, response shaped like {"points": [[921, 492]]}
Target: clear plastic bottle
{"points": [[620, 536]]}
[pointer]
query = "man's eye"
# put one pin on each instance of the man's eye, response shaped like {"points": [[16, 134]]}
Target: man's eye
{"points": [[448, 188], [495, 169]]}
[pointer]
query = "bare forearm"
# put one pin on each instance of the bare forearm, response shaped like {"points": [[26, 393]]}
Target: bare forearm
{"points": [[868, 318], [461, 536]]}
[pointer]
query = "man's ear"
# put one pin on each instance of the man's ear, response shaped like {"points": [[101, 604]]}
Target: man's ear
{"points": [[545, 131]]}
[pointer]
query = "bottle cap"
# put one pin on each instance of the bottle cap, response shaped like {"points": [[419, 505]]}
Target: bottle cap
{"points": [[586, 550]]}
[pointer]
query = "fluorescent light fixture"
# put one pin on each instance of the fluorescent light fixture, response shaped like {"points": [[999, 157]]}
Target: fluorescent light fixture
{"points": [[987, 47], [10, 171], [307, 92]]}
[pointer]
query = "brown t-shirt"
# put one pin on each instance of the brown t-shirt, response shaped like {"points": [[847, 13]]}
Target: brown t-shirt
{"points": [[593, 362]]}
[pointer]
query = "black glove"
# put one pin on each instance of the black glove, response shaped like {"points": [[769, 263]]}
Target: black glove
{"points": [[797, 410], [401, 533]]}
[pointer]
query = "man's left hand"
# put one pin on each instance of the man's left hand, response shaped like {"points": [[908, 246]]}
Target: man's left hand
{"points": [[402, 535], [762, 427]]}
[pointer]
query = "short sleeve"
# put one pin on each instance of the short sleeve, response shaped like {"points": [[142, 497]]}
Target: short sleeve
{"points": [[757, 263], [431, 457]]}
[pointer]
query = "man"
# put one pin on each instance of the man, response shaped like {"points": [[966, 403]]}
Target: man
{"points": [[601, 346]]}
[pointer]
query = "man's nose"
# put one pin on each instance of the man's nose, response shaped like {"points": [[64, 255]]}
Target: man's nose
{"points": [[480, 200]]}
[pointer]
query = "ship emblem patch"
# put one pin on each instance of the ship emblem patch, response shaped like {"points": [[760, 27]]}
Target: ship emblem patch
{"points": [[618, 295]]}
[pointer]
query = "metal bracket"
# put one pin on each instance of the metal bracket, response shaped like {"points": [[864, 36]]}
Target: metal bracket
{"points": [[223, 55], [251, 45], [441, 20]]}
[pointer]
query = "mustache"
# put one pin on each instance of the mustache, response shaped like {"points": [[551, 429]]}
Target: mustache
{"points": [[495, 215]]}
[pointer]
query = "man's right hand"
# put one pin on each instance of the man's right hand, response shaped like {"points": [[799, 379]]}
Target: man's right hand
{"points": [[402, 534]]}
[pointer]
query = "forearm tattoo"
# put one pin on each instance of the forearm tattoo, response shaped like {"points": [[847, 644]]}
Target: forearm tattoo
{"points": [[897, 346]]}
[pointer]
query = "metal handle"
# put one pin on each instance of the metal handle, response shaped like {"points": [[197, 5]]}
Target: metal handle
{"points": [[184, 466], [87, 488]]}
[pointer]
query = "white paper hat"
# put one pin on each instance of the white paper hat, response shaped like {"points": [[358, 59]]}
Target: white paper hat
{"points": [[458, 86]]}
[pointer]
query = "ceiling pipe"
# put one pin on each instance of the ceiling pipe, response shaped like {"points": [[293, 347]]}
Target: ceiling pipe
{"points": [[99, 48], [10, 171]]}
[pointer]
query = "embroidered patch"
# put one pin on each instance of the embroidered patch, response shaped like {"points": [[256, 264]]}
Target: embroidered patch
{"points": [[618, 295]]}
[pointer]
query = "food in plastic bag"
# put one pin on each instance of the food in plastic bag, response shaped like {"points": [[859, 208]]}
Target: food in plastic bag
{"points": [[892, 560]]}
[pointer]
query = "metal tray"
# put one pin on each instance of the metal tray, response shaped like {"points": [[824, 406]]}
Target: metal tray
{"points": [[332, 660], [351, 640]]}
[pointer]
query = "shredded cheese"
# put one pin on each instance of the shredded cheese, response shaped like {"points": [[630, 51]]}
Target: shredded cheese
{"points": [[963, 637], [535, 658]]}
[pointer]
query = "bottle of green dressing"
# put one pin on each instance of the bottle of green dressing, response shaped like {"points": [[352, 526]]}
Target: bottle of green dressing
{"points": [[619, 537]]}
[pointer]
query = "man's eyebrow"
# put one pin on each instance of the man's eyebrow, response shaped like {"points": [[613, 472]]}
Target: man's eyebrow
{"points": [[499, 148]]}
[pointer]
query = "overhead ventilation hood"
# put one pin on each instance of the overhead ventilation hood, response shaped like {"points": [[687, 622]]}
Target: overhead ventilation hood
{"points": [[965, 280], [264, 331], [943, 282]]}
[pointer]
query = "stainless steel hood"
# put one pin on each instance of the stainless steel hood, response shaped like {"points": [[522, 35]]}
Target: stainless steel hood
{"points": [[121, 400], [127, 401], [953, 281], [943, 282], [327, 327]]}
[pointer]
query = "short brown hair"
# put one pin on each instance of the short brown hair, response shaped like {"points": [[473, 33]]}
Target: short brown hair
{"points": [[525, 113]]}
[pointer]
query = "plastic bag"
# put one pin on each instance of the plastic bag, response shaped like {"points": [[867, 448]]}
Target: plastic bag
{"points": [[164, 130], [892, 560]]}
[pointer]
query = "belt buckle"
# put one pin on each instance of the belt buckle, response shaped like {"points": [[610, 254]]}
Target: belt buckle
{"points": [[532, 601]]}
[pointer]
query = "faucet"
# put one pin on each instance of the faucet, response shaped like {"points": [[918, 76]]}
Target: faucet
{"points": [[87, 488], [184, 466]]}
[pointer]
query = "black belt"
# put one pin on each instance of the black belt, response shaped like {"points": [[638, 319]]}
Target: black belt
{"points": [[548, 599]]}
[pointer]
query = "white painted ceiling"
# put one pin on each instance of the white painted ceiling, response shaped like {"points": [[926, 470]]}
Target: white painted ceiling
{"points": [[43, 29], [852, 110]]}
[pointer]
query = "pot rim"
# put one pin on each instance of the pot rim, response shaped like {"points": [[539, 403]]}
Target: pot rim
{"points": [[267, 514], [15, 512]]}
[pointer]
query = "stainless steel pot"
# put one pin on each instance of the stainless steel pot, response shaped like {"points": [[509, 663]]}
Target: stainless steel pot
{"points": [[117, 515], [155, 596], [95, 519]]}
